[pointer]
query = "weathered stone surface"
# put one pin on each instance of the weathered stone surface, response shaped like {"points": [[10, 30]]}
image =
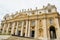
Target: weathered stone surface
{"points": [[20, 38]]}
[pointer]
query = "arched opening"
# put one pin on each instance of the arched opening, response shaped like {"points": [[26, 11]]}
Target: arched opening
{"points": [[19, 33], [52, 32], [32, 33]]}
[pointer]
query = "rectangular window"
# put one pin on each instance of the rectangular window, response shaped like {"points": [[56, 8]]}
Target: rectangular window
{"points": [[51, 21], [32, 23], [20, 23]]}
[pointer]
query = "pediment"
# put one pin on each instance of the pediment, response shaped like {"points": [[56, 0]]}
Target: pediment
{"points": [[21, 15]]}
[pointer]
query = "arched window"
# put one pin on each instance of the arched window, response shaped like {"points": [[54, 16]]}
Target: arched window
{"points": [[52, 32]]}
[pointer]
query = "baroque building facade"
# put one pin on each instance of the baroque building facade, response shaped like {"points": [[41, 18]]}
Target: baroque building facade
{"points": [[40, 23]]}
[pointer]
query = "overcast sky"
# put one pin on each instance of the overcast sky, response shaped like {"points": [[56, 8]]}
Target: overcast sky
{"points": [[11, 6]]}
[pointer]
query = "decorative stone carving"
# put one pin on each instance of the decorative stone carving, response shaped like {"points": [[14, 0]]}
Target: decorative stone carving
{"points": [[6, 17]]}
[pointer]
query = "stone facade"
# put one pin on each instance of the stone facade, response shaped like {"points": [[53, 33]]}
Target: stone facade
{"points": [[40, 23]]}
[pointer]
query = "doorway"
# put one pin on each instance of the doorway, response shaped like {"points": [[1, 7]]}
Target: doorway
{"points": [[52, 32], [32, 33]]}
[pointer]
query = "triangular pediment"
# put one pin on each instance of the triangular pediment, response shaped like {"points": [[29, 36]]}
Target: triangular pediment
{"points": [[20, 15]]}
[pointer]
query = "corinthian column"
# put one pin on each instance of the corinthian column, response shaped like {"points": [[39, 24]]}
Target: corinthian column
{"points": [[26, 30], [16, 31], [3, 28], [12, 30], [7, 28], [22, 28], [29, 29]]}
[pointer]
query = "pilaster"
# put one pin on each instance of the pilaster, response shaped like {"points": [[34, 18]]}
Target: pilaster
{"points": [[57, 26], [36, 28], [44, 29]]}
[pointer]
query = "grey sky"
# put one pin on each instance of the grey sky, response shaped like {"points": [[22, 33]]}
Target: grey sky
{"points": [[11, 6]]}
